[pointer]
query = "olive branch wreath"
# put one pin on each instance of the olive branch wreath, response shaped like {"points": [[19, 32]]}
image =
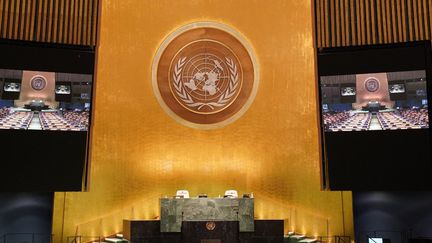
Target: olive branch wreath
{"points": [[187, 98]]}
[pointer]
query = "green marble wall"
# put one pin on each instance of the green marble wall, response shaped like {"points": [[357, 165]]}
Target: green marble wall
{"points": [[174, 211]]}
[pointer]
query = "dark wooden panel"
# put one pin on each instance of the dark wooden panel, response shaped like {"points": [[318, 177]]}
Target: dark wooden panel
{"points": [[148, 231], [266, 231], [197, 231], [360, 22], [50, 21]]}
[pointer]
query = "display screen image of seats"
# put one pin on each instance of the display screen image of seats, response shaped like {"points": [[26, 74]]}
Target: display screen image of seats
{"points": [[375, 101], [39, 100]]}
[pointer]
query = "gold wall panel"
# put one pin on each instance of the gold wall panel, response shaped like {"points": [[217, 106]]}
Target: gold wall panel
{"points": [[364, 22], [47, 94], [138, 153], [381, 94]]}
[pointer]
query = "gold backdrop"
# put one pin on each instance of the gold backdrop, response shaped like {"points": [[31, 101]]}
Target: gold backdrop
{"points": [[47, 94], [138, 153]]}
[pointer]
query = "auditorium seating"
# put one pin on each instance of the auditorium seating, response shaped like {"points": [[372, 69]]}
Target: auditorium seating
{"points": [[80, 118], [388, 120], [392, 121], [416, 116], [403, 119], [332, 118], [4, 111], [69, 121], [344, 121], [10, 119]]}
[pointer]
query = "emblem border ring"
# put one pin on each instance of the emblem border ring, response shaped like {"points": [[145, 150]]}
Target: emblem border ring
{"points": [[210, 225], [240, 67], [205, 24], [38, 77], [372, 79]]}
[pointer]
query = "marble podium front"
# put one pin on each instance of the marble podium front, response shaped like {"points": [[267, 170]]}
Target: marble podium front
{"points": [[174, 211]]}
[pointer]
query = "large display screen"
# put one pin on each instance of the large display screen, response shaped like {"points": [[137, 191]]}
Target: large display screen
{"points": [[39, 105], [377, 104], [11, 87], [45, 116], [62, 89], [374, 116], [348, 91], [397, 88]]}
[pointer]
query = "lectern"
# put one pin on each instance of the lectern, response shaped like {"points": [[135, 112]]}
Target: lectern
{"points": [[205, 220], [175, 211]]}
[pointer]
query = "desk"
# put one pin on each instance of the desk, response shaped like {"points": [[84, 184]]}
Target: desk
{"points": [[145, 231], [174, 211]]}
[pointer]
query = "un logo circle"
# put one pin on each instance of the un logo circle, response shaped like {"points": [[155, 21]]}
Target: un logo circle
{"points": [[211, 225], [206, 78], [38, 83], [205, 75], [372, 84]]}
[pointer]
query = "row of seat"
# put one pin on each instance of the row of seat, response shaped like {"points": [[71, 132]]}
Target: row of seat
{"points": [[354, 122], [386, 120], [417, 116], [56, 122], [335, 117], [395, 121], [16, 120], [391, 121], [80, 118], [21, 119], [4, 111]]}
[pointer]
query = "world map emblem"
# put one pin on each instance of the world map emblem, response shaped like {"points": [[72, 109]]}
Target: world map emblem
{"points": [[205, 75], [38, 83], [372, 84]]}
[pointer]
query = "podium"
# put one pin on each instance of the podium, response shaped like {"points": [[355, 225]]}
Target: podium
{"points": [[175, 211], [205, 220], [210, 231], [148, 231]]}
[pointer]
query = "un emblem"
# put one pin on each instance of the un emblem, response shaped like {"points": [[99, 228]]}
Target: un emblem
{"points": [[210, 226], [38, 82], [205, 75], [372, 84]]}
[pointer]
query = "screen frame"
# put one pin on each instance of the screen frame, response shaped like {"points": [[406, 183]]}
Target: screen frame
{"points": [[357, 60], [6, 81], [48, 175], [68, 86], [402, 85]]}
